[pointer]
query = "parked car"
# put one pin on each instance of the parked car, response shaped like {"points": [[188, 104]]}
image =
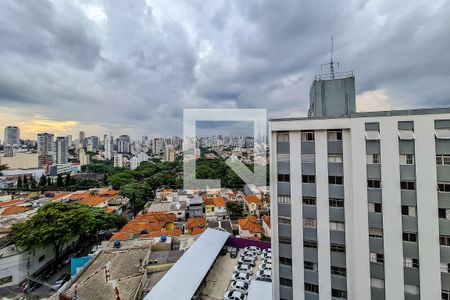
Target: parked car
{"points": [[253, 248], [245, 268], [234, 295], [249, 253], [268, 250], [264, 279], [234, 252], [266, 255], [60, 281], [223, 251], [264, 274], [266, 261], [265, 266], [239, 286], [245, 277], [247, 260]]}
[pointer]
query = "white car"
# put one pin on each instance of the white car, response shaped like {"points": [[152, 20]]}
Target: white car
{"points": [[268, 250], [247, 260], [243, 268], [265, 266], [253, 248], [245, 277], [249, 253], [234, 295], [266, 255], [264, 274], [239, 286], [266, 260]]}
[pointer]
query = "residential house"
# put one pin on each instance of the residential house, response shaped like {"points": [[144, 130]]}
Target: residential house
{"points": [[267, 231], [195, 207], [208, 204], [250, 228], [253, 204], [193, 223], [220, 208]]}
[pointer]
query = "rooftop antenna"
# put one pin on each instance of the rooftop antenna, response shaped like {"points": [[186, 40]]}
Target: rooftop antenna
{"points": [[331, 63]]}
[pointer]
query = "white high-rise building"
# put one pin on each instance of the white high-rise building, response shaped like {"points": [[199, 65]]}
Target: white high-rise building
{"points": [[45, 143], [83, 157], [118, 160], [108, 141], [360, 201], [12, 136], [62, 150], [169, 153]]}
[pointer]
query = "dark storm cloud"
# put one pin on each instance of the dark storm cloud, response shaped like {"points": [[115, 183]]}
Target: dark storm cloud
{"points": [[135, 65]]}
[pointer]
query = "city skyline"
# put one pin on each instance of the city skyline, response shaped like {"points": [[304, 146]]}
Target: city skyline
{"points": [[200, 49]]}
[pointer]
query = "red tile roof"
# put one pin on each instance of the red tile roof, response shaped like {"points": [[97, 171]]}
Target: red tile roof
{"points": [[12, 210], [121, 236], [250, 224], [93, 200], [218, 201], [195, 222], [59, 196], [11, 202], [208, 201], [198, 230], [175, 232], [253, 199]]}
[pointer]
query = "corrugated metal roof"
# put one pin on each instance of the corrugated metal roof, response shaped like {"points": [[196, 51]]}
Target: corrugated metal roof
{"points": [[183, 279], [260, 290]]}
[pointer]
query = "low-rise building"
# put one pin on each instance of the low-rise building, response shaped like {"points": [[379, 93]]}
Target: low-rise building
{"points": [[267, 231], [195, 225], [253, 204], [250, 228]]}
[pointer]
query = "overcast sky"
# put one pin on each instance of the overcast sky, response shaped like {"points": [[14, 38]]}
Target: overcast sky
{"points": [[132, 66]]}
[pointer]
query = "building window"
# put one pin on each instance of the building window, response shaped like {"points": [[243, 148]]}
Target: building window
{"points": [[284, 240], [337, 247], [375, 232], [284, 178], [335, 158], [445, 295], [309, 201], [6, 279], [311, 223], [285, 281], [283, 137], [377, 283], [335, 293], [409, 237], [309, 244], [373, 183], [444, 187], [284, 220], [41, 258], [377, 258], [411, 289], [408, 210], [285, 261], [444, 240], [308, 178], [284, 199], [445, 267], [444, 213], [282, 157], [406, 159], [336, 202], [310, 266], [443, 160], [312, 288], [338, 271], [373, 159], [374, 207], [308, 158], [307, 136], [335, 179], [337, 226], [408, 185], [409, 262], [334, 135]]}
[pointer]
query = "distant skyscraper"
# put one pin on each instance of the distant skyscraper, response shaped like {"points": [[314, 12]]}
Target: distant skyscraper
{"points": [[62, 150], [45, 143], [108, 141], [82, 138], [12, 136], [169, 153], [69, 140]]}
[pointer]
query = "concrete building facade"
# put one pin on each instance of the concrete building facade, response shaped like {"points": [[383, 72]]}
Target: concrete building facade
{"points": [[361, 205], [12, 136]]}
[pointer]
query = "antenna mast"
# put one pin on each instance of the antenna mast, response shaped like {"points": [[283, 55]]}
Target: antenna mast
{"points": [[331, 63]]}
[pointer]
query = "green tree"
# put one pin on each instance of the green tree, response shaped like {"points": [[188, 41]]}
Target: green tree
{"points": [[33, 182], [59, 180], [25, 181], [59, 223], [49, 181], [235, 208], [42, 181], [19, 182], [139, 194], [120, 179], [68, 180]]}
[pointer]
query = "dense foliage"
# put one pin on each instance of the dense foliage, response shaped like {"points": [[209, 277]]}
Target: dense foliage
{"points": [[59, 223]]}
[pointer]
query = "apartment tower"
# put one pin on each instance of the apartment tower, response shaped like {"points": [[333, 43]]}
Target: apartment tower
{"points": [[361, 201]]}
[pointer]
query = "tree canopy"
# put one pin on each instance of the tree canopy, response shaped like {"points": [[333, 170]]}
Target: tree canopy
{"points": [[58, 223]]}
